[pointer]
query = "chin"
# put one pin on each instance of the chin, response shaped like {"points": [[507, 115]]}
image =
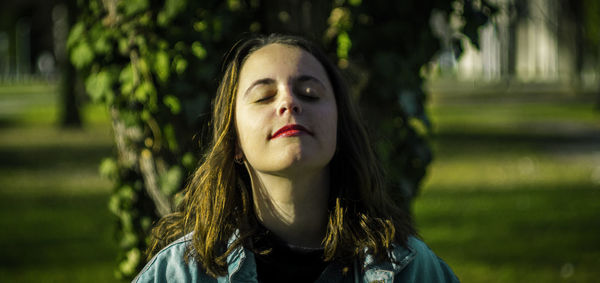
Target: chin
{"points": [[301, 166]]}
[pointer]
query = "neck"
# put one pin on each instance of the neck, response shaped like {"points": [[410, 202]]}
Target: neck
{"points": [[295, 209]]}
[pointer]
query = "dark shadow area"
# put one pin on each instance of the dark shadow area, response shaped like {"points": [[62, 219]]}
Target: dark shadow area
{"points": [[44, 156], [481, 143], [7, 122]]}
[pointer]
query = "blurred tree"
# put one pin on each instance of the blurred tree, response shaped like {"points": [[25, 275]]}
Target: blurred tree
{"points": [[64, 18], [586, 16], [49, 23], [384, 46], [591, 31], [154, 64]]}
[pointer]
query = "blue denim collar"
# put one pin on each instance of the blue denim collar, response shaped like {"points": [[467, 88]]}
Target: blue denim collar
{"points": [[385, 271], [241, 265]]}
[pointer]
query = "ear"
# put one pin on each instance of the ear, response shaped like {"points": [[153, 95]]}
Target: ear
{"points": [[239, 154]]}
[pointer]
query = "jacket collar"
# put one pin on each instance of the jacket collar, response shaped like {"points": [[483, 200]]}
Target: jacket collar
{"points": [[386, 271], [241, 265]]}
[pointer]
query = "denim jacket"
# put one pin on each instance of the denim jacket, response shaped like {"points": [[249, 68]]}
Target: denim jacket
{"points": [[417, 263]]}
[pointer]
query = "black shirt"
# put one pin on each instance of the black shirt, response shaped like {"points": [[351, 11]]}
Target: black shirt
{"points": [[286, 263]]}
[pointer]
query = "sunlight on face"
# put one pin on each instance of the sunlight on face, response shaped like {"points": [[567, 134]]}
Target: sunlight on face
{"points": [[285, 113]]}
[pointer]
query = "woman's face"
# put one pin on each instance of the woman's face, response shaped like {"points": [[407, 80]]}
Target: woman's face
{"points": [[285, 112]]}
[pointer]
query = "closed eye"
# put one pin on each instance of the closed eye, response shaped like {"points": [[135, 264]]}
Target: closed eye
{"points": [[263, 93], [264, 99], [309, 98], [307, 92]]}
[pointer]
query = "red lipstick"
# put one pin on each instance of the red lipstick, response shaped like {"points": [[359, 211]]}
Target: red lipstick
{"points": [[291, 130]]}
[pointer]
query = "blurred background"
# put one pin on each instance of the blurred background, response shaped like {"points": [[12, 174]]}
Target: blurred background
{"points": [[486, 114]]}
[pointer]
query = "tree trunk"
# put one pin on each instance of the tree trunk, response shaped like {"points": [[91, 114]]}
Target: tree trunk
{"points": [[70, 115]]}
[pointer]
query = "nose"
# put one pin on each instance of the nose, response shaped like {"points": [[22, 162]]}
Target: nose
{"points": [[288, 102]]}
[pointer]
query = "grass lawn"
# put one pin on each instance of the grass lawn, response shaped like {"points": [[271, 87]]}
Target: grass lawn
{"points": [[53, 204], [512, 196], [514, 192]]}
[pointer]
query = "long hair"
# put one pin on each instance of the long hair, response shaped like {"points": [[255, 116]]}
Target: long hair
{"points": [[218, 201]]}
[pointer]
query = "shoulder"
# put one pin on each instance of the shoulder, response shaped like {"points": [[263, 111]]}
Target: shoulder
{"points": [[168, 265], [422, 264], [414, 262]]}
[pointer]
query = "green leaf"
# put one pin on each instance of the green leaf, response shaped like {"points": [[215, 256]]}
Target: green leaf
{"points": [[171, 9], [76, 35], [133, 258], [102, 45], [161, 65], [123, 44], [131, 7], [418, 125], [126, 78], [108, 168], [141, 43], [343, 45], [99, 86], [146, 115], [173, 103], [129, 239], [234, 5], [170, 181], [198, 50], [188, 160], [146, 223], [200, 26], [82, 55], [126, 192], [354, 2], [114, 204], [142, 66], [169, 134], [144, 92], [180, 65]]}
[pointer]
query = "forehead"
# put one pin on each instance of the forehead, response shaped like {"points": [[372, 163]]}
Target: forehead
{"points": [[277, 60]]}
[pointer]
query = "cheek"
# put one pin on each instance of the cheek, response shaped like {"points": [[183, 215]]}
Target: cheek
{"points": [[328, 122], [333, 127], [249, 129]]}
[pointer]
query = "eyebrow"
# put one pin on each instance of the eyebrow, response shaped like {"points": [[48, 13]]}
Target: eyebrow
{"points": [[265, 81], [305, 78]]}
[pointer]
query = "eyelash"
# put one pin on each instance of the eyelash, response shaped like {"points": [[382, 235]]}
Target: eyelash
{"points": [[303, 93], [308, 98], [264, 99]]}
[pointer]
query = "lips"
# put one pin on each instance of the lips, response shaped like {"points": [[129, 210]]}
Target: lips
{"points": [[291, 131]]}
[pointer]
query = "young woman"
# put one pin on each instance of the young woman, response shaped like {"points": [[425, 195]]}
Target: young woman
{"points": [[290, 189]]}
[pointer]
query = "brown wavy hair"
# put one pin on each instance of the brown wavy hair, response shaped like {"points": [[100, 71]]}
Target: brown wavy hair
{"points": [[218, 202]]}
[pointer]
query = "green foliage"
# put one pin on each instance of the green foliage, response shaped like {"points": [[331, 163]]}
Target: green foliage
{"points": [[388, 43], [109, 168], [99, 86], [154, 64], [171, 180], [344, 44]]}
